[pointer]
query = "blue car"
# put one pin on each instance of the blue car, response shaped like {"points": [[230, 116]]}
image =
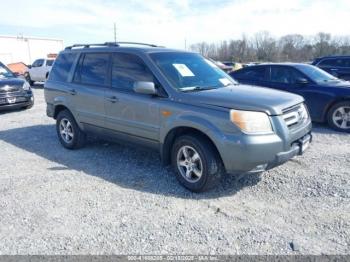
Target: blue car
{"points": [[327, 97], [339, 66]]}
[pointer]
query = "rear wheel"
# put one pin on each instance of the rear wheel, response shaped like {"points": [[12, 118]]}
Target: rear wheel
{"points": [[339, 116], [68, 131], [196, 163]]}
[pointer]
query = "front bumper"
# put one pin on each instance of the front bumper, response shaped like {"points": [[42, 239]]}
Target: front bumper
{"points": [[250, 154], [16, 100], [298, 148]]}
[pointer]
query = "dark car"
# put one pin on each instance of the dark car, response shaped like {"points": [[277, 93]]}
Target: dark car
{"points": [[14, 92], [327, 97], [339, 66]]}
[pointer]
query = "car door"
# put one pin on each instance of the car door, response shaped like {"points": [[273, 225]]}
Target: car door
{"points": [[42, 70], [128, 113], [36, 69], [87, 90]]}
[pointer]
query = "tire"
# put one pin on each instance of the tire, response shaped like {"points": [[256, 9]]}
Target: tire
{"points": [[68, 131], [29, 106], [338, 116], [208, 163]]}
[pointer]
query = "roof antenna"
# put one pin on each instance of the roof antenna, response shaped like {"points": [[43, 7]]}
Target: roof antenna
{"points": [[115, 33]]}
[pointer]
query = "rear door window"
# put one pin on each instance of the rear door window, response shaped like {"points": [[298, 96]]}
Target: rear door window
{"points": [[62, 67], [254, 73], [92, 69]]}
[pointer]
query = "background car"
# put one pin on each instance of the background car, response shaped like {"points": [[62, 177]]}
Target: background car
{"points": [[39, 70], [14, 92], [339, 66], [327, 97]]}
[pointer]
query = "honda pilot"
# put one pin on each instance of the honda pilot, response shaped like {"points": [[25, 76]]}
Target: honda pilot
{"points": [[200, 120]]}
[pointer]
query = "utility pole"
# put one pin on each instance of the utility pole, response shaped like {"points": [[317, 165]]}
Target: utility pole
{"points": [[115, 33]]}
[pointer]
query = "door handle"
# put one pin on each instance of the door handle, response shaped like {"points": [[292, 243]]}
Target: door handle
{"points": [[112, 99], [72, 92]]}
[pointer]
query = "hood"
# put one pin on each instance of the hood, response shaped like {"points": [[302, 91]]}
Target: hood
{"points": [[10, 84], [245, 97], [340, 84]]}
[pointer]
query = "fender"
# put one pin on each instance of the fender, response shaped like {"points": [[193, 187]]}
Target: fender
{"points": [[187, 121]]}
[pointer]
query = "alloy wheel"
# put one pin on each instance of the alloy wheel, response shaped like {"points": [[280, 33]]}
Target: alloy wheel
{"points": [[341, 117], [66, 130], [189, 164]]}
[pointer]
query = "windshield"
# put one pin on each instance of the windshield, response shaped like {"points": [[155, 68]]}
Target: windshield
{"points": [[318, 75], [189, 71], [4, 72]]}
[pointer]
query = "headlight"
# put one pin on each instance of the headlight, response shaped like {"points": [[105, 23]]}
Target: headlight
{"points": [[26, 86], [251, 122]]}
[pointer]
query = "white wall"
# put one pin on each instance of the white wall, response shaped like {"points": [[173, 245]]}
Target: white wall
{"points": [[27, 49]]}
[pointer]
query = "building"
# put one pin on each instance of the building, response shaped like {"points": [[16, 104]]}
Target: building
{"points": [[16, 49]]}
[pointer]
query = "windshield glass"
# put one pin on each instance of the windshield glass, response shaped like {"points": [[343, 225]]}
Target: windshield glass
{"points": [[317, 74], [189, 71], [4, 72]]}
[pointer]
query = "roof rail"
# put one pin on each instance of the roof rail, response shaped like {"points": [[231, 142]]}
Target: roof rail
{"points": [[90, 45], [114, 44], [136, 43]]}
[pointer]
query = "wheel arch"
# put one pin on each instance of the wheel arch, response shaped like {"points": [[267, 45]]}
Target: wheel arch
{"points": [[59, 108], [175, 132], [331, 104]]}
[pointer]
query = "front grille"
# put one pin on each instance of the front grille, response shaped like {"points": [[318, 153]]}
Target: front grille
{"points": [[9, 89], [295, 116]]}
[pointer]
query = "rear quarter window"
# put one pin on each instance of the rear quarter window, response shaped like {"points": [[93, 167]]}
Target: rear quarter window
{"points": [[62, 67]]}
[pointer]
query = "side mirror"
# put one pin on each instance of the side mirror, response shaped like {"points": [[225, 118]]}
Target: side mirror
{"points": [[16, 74], [29, 66], [146, 88], [302, 81]]}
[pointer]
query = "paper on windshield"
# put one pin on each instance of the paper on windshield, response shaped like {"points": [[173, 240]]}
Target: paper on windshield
{"points": [[183, 70], [225, 81]]}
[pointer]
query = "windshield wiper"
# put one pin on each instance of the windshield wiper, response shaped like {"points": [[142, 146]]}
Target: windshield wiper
{"points": [[196, 88]]}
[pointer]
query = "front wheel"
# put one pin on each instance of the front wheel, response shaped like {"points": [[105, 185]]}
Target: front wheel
{"points": [[196, 162], [339, 116], [68, 131]]}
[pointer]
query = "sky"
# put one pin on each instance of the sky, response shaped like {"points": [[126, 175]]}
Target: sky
{"points": [[171, 23]]}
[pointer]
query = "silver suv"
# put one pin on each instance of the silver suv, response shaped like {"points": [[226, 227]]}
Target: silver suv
{"points": [[200, 119]]}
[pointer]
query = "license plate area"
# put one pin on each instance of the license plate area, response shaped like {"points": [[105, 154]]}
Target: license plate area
{"points": [[11, 100], [304, 143]]}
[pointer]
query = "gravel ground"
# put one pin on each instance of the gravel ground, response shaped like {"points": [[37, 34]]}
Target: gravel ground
{"points": [[114, 199]]}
